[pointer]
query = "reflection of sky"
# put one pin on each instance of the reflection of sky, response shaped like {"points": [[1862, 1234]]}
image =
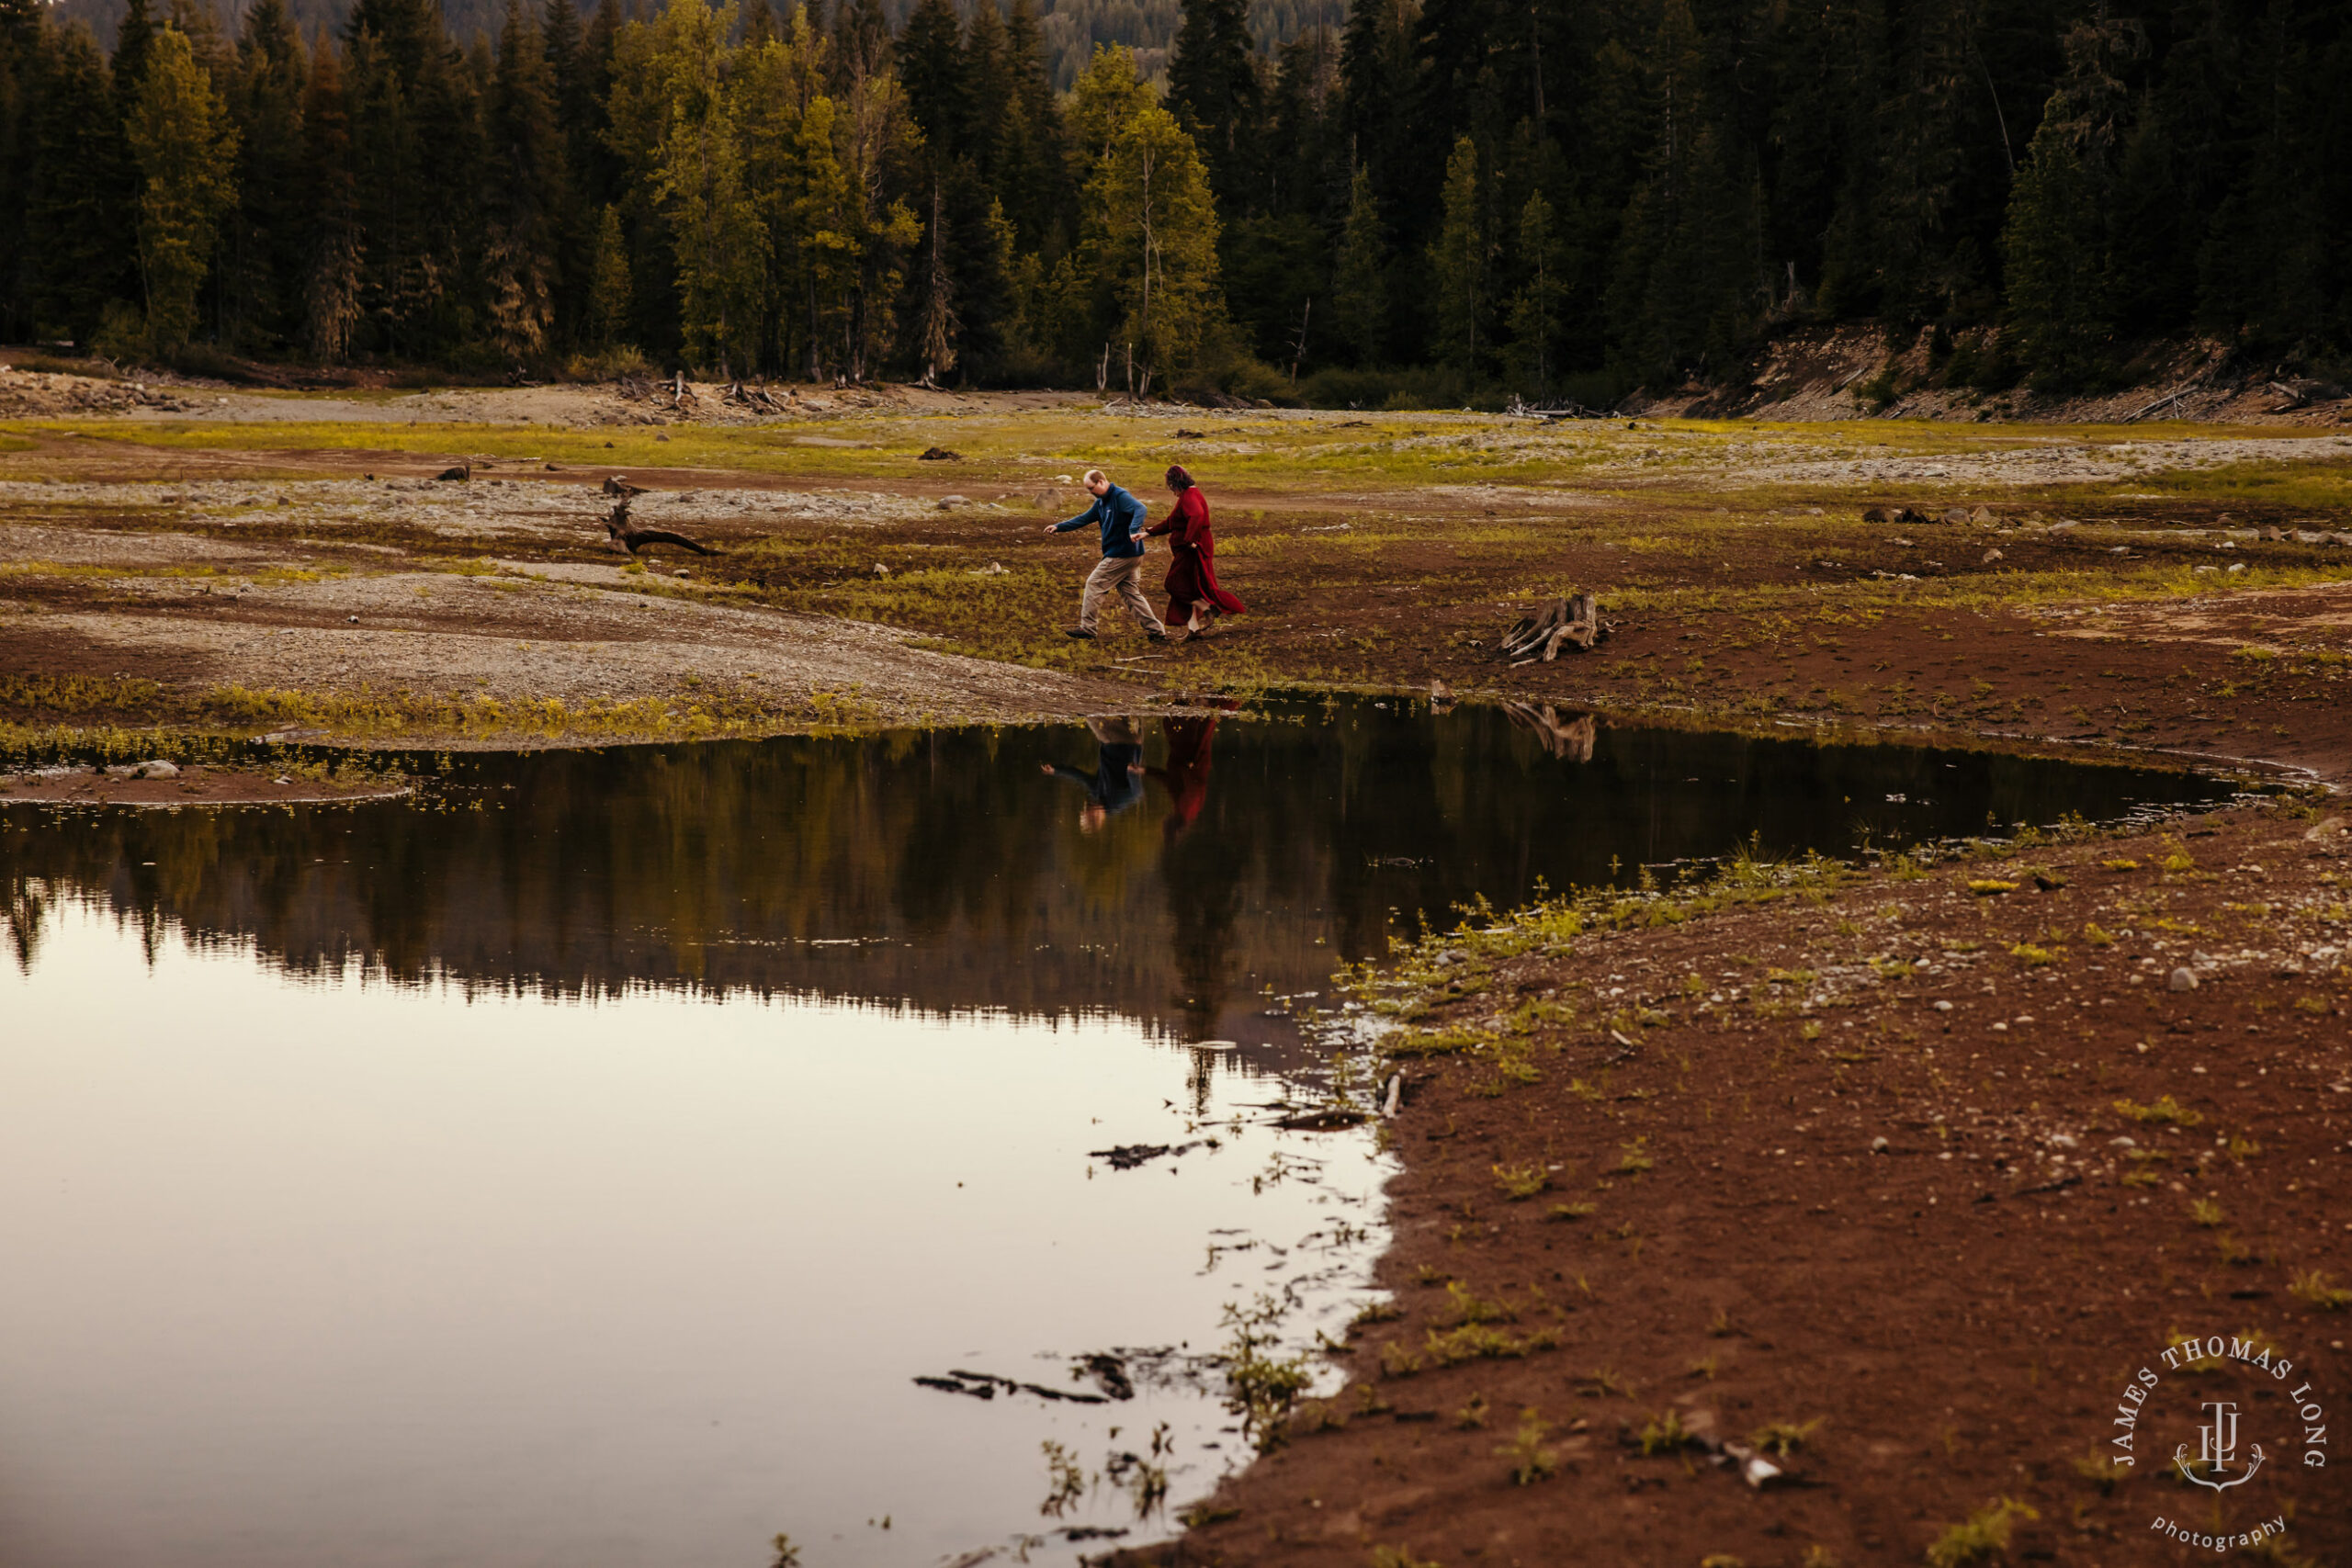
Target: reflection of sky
{"points": [[318, 1271]]}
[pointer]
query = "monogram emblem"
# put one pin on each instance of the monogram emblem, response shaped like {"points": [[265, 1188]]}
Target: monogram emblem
{"points": [[2217, 1449]]}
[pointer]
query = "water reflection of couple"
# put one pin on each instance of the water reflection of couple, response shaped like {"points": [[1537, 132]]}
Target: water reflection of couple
{"points": [[1119, 772]]}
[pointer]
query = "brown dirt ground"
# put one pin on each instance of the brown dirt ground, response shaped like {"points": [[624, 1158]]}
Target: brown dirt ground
{"points": [[1959, 1312], [198, 784]]}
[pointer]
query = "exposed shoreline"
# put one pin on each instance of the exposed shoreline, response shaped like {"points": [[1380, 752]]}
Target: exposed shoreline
{"points": [[1902, 1167]]}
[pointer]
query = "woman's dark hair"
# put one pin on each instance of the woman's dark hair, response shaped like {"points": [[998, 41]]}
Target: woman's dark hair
{"points": [[1177, 478]]}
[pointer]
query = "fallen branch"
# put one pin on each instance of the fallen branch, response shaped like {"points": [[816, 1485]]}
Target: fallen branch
{"points": [[2168, 397], [623, 537]]}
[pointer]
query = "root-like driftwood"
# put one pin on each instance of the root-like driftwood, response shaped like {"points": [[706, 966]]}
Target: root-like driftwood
{"points": [[1573, 622]]}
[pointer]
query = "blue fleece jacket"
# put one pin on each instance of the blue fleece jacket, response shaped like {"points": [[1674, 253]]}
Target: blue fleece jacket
{"points": [[1121, 518]]}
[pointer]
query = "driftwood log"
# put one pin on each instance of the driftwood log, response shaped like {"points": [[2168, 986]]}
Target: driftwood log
{"points": [[753, 397], [1573, 622], [624, 536]]}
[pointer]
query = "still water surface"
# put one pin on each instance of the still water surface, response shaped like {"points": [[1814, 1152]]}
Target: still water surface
{"points": [[580, 1163]]}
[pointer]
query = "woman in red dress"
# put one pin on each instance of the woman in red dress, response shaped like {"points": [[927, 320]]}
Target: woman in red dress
{"points": [[1192, 590]]}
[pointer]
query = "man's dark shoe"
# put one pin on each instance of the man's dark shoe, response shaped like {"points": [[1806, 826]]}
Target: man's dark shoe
{"points": [[1157, 637], [1080, 632]]}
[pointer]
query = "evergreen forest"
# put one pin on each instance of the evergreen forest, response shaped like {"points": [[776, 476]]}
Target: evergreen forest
{"points": [[1435, 199]]}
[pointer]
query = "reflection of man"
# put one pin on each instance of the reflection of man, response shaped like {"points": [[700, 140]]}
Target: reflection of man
{"points": [[1117, 782]]}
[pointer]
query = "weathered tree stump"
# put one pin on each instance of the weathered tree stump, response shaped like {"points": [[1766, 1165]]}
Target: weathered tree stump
{"points": [[1573, 622]]}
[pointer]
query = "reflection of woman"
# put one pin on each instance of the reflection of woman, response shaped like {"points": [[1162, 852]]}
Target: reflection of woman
{"points": [[1192, 585], [1187, 772]]}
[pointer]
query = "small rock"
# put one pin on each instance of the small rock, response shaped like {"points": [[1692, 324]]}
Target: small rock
{"points": [[1992, 556], [681, 571], [994, 568], [1879, 1145], [1943, 1006], [949, 503], [659, 438], [2326, 828], [281, 779], [2183, 979], [353, 619], [881, 571], [1956, 514], [939, 455], [1982, 515], [460, 472]]}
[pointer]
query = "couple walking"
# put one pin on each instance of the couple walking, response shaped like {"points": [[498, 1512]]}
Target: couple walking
{"points": [[1194, 596]]}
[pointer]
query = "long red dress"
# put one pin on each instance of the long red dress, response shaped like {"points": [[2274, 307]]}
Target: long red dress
{"points": [[1192, 565]]}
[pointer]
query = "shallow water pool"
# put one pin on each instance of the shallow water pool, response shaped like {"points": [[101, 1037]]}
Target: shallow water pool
{"points": [[581, 1162]]}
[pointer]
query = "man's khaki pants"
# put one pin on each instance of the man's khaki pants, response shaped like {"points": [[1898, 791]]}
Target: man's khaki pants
{"points": [[1120, 575]]}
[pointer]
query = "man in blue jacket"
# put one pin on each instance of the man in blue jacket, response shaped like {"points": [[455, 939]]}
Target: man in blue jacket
{"points": [[1120, 516]]}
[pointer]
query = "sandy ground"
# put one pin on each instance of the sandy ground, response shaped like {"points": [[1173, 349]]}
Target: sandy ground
{"points": [[206, 583]]}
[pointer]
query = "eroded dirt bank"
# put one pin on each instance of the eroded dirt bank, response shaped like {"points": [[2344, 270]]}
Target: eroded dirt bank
{"points": [[1894, 1179]]}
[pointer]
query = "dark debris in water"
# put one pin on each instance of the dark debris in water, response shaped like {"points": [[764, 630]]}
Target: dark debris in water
{"points": [[1109, 1373], [1323, 1120], [988, 1385], [1127, 1156]]}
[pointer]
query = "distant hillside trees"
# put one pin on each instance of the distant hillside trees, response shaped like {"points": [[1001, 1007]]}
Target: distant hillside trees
{"points": [[1434, 198]]}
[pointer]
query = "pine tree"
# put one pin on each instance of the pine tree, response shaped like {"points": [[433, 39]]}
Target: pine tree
{"points": [[1380, 83], [331, 272], [1033, 175], [186, 155], [608, 286], [263, 254], [1213, 89], [526, 193], [2059, 236], [720, 244], [1458, 262], [1535, 310], [134, 37], [931, 68], [80, 192], [1678, 293], [1360, 280], [875, 141]]}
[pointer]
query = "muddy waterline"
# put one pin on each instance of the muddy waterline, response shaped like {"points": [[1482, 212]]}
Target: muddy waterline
{"points": [[581, 1162]]}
